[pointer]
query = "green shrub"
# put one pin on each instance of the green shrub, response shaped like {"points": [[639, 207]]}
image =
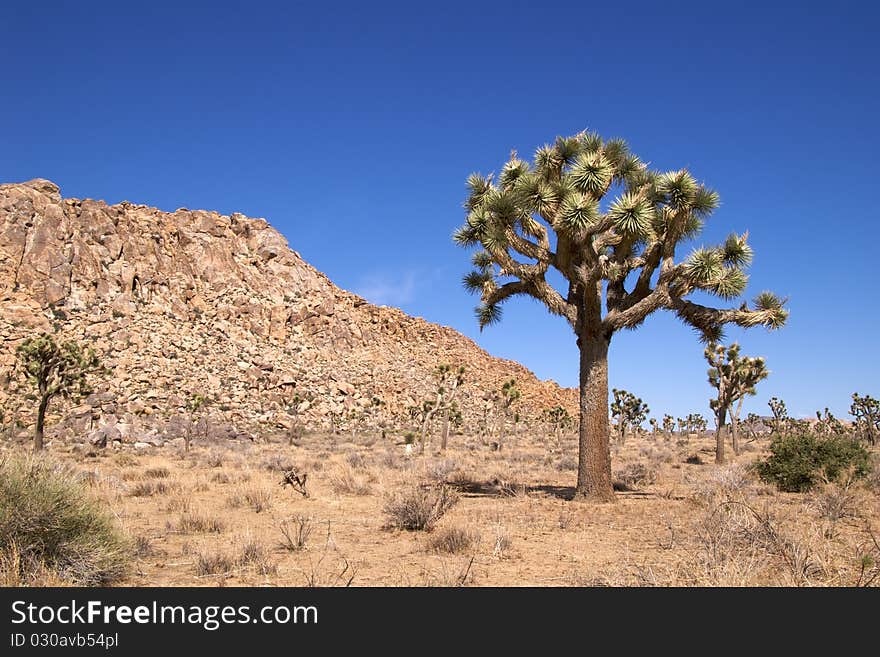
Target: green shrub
{"points": [[797, 462], [49, 522]]}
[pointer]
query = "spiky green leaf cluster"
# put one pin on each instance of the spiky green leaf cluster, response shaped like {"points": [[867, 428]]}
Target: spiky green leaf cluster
{"points": [[593, 212], [56, 369]]}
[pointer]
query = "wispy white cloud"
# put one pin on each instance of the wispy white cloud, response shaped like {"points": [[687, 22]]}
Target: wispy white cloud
{"points": [[386, 289]]}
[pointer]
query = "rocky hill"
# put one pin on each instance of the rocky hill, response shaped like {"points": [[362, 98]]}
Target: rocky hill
{"points": [[198, 302]]}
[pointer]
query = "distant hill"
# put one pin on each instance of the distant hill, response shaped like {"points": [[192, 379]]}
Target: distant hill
{"points": [[195, 301]]}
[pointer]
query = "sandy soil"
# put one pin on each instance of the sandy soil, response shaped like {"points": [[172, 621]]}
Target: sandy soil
{"points": [[214, 516]]}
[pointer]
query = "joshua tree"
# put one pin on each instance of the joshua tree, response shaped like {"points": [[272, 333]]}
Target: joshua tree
{"points": [[694, 422], [628, 411], [555, 212], [510, 394], [449, 383], [668, 426], [780, 415], [54, 369], [827, 424], [866, 411], [295, 429], [751, 424], [559, 419], [194, 406], [733, 376]]}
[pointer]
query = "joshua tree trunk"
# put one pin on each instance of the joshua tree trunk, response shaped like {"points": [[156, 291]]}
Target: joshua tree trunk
{"points": [[734, 426], [594, 454], [720, 416], [41, 421], [424, 437], [444, 432]]}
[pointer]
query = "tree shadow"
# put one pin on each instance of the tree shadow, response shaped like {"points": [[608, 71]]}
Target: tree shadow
{"points": [[498, 489]]}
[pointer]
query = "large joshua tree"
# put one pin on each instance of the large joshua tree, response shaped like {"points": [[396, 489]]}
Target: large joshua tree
{"points": [[595, 214], [734, 376]]}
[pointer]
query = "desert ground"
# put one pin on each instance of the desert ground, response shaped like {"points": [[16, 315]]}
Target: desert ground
{"points": [[218, 515]]}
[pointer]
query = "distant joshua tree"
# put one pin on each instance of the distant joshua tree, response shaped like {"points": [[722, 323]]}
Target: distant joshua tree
{"points": [[449, 381], [693, 423], [54, 370], [827, 424], [866, 411], [668, 426], [780, 420], [733, 376], [628, 412], [510, 394], [559, 419], [751, 425], [554, 212], [195, 406]]}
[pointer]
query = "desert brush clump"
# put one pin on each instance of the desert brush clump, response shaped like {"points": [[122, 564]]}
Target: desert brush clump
{"points": [[453, 540], [588, 210], [418, 507], [799, 461], [50, 522]]}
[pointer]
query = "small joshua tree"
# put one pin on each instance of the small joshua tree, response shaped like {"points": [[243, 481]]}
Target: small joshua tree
{"points": [[828, 425], [195, 405], [668, 426], [780, 419], [54, 370], [449, 382], [510, 394], [693, 423], [751, 424], [295, 430], [733, 376], [617, 256], [866, 411], [628, 412], [559, 420]]}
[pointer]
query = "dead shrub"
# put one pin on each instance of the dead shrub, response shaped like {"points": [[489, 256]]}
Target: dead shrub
{"points": [[346, 481], [637, 475], [254, 556], [296, 532], [213, 564], [418, 507], [453, 540], [259, 499], [190, 523]]}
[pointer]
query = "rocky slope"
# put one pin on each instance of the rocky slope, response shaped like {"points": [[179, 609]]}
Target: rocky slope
{"points": [[198, 302]]}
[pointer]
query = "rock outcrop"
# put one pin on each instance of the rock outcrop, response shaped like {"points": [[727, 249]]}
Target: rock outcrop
{"points": [[198, 302]]}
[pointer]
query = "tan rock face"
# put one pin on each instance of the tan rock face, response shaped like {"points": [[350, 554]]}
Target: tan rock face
{"points": [[198, 302]]}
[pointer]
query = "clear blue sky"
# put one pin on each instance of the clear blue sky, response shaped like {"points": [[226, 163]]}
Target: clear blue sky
{"points": [[352, 127]]}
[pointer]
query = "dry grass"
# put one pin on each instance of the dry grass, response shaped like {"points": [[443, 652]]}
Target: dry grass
{"points": [[218, 515], [453, 540], [418, 507]]}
